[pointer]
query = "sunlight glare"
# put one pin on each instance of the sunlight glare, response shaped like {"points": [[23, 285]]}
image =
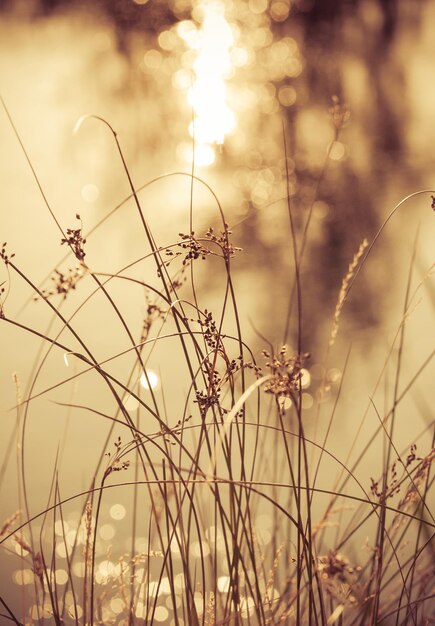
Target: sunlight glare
{"points": [[212, 67], [150, 380]]}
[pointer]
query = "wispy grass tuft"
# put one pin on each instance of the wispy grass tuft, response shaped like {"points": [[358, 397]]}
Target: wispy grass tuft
{"points": [[230, 510]]}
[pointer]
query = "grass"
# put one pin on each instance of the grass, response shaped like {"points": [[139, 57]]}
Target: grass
{"points": [[232, 508]]}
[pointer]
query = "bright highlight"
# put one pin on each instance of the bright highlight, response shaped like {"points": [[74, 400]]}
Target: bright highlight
{"points": [[213, 118], [150, 380]]}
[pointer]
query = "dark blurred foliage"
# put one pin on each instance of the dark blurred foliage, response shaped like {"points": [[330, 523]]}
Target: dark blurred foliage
{"points": [[321, 17], [332, 30], [125, 15]]}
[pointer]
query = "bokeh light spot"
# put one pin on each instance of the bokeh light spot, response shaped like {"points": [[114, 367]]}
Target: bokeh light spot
{"points": [[90, 193], [79, 569], [107, 532], [61, 576], [287, 96], [61, 550], [337, 151], [152, 60], [161, 614], [75, 611], [150, 380], [167, 40], [117, 511], [279, 11], [131, 403], [223, 584], [258, 6], [247, 607], [305, 378], [285, 403], [334, 375], [307, 401], [23, 577], [140, 610], [117, 605]]}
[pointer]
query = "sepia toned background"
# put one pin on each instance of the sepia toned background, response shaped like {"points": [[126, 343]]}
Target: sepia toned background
{"points": [[242, 92]]}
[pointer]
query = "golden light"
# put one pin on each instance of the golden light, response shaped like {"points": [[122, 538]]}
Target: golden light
{"points": [[117, 512], [223, 584], [149, 380], [287, 96], [117, 605], [90, 193], [305, 378], [212, 67], [337, 151], [106, 532], [279, 11], [131, 403]]}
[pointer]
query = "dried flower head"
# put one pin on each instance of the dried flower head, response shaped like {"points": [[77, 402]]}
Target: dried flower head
{"points": [[209, 329], [24, 545], [63, 282], [38, 567], [194, 249], [286, 373], [75, 241], [412, 495], [4, 256], [116, 462], [345, 285], [339, 578], [223, 241], [9, 521], [3, 289], [153, 312]]}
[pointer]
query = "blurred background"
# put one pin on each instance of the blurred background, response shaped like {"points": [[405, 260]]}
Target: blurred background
{"points": [[217, 85], [236, 72]]}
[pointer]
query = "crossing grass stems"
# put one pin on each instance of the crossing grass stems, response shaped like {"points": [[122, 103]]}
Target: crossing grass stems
{"points": [[237, 452]]}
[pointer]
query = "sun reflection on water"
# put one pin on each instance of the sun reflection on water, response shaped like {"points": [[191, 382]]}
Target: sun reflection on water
{"points": [[207, 88]]}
